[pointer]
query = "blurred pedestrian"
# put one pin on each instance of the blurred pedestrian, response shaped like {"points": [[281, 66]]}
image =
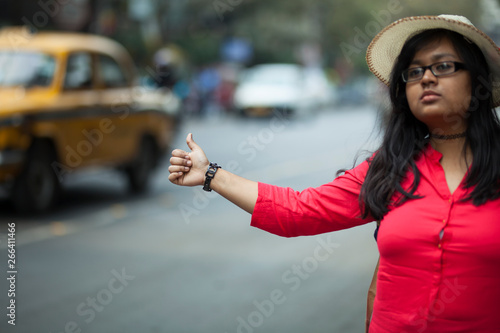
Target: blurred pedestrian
{"points": [[433, 184], [208, 80]]}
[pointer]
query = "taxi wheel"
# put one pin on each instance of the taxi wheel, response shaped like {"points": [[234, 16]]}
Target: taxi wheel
{"points": [[37, 187], [139, 172]]}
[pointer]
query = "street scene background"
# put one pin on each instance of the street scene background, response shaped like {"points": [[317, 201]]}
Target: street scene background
{"points": [[182, 260], [190, 262]]}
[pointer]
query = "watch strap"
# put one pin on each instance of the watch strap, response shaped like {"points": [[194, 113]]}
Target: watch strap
{"points": [[209, 175]]}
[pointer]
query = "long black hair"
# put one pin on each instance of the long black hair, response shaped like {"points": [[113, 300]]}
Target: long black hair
{"points": [[405, 136]]}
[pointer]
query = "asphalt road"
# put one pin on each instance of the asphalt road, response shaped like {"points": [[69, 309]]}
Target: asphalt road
{"points": [[180, 260]]}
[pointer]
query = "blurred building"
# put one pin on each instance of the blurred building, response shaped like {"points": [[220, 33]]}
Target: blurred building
{"points": [[76, 15], [142, 26]]}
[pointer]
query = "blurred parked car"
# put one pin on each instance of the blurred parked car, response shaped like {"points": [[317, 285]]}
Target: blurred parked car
{"points": [[68, 102], [358, 91], [290, 88]]}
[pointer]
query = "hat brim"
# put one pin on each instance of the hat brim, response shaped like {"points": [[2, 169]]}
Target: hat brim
{"points": [[386, 46]]}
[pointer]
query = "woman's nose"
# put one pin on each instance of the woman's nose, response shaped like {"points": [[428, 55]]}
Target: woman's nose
{"points": [[428, 76]]}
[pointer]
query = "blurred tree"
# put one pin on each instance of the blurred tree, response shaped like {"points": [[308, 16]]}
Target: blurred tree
{"points": [[277, 28], [351, 24]]}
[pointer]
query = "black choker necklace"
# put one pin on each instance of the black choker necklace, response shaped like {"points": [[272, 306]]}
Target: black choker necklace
{"points": [[448, 137]]}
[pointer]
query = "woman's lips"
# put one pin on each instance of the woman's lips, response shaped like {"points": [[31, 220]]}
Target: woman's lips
{"points": [[429, 96]]}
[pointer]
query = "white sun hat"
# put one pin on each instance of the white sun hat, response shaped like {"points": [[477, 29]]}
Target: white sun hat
{"points": [[387, 44]]}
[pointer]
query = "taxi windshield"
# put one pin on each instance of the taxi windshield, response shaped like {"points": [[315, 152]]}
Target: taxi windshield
{"points": [[28, 69]]}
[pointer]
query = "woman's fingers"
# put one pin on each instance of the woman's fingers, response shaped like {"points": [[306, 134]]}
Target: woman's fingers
{"points": [[178, 168], [180, 161], [174, 177], [179, 153]]}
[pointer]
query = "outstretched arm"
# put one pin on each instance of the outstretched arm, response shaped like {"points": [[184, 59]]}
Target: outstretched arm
{"points": [[188, 169]]}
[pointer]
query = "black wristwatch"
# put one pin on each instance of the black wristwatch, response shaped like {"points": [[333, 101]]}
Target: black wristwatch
{"points": [[209, 175]]}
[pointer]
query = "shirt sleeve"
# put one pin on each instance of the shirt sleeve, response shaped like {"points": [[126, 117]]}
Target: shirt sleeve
{"points": [[329, 207]]}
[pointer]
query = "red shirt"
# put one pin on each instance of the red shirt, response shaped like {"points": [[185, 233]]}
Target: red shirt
{"points": [[439, 257]]}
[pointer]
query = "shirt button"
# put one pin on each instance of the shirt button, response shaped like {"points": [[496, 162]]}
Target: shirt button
{"points": [[444, 221], [439, 245]]}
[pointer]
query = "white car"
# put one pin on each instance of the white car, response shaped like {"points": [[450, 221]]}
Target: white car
{"points": [[288, 88]]}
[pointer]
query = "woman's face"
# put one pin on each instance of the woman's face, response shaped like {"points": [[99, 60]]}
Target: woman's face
{"points": [[439, 102]]}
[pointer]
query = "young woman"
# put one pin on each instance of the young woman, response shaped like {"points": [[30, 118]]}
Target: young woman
{"points": [[434, 183]]}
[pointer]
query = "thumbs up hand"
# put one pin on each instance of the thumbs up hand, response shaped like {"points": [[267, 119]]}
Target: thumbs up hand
{"points": [[188, 169]]}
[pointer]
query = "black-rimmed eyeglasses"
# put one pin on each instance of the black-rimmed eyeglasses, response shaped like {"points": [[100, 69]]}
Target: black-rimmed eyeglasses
{"points": [[438, 69]]}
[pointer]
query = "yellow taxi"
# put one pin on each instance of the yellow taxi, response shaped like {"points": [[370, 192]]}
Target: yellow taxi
{"points": [[70, 101]]}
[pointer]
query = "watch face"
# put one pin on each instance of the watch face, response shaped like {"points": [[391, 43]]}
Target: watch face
{"points": [[212, 169]]}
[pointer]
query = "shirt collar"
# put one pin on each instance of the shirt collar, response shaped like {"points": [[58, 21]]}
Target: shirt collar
{"points": [[432, 153]]}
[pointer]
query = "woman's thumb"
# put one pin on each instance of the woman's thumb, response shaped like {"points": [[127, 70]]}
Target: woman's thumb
{"points": [[190, 142]]}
